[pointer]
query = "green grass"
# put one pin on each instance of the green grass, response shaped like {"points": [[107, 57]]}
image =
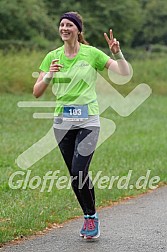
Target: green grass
{"points": [[17, 77], [149, 71], [138, 144]]}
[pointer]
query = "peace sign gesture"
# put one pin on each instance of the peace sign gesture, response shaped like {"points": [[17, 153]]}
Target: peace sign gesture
{"points": [[112, 42]]}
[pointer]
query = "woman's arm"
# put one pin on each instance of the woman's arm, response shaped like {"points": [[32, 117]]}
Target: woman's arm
{"points": [[40, 85], [119, 65], [45, 78]]}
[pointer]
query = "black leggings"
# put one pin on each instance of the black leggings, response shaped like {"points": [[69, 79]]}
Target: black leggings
{"points": [[77, 147]]}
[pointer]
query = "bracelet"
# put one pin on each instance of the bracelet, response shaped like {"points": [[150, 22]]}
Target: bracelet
{"points": [[118, 55], [47, 79]]}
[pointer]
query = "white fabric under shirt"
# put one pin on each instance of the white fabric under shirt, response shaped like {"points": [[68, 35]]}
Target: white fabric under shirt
{"points": [[93, 120]]}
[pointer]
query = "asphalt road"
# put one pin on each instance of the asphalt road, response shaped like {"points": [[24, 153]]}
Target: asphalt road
{"points": [[135, 225]]}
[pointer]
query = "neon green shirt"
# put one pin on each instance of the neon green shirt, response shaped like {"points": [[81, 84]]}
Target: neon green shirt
{"points": [[76, 82]]}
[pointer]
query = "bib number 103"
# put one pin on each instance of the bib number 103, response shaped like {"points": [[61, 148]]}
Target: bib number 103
{"points": [[75, 112]]}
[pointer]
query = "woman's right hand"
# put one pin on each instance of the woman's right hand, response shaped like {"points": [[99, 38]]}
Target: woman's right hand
{"points": [[54, 67], [40, 85]]}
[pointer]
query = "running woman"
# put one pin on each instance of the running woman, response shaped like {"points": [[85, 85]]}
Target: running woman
{"points": [[73, 71]]}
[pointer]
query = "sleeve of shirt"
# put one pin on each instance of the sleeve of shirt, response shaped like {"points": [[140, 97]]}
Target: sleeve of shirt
{"points": [[45, 65], [100, 58]]}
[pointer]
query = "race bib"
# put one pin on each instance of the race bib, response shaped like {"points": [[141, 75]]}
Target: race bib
{"points": [[75, 112]]}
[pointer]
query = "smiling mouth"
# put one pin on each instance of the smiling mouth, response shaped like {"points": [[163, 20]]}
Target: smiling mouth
{"points": [[65, 34]]}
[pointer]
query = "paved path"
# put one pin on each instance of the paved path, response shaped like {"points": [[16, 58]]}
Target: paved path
{"points": [[135, 225]]}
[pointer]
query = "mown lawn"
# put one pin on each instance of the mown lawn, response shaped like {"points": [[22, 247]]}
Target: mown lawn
{"points": [[138, 145]]}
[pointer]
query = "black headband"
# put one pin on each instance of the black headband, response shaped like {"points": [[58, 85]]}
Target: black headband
{"points": [[73, 18]]}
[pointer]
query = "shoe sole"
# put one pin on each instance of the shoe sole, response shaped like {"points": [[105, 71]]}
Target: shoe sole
{"points": [[81, 235], [92, 237]]}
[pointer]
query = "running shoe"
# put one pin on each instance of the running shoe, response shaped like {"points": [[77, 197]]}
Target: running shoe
{"points": [[92, 228], [84, 227]]}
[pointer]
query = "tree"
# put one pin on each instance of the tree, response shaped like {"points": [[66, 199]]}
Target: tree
{"points": [[25, 20], [124, 17], [155, 26], [134, 22]]}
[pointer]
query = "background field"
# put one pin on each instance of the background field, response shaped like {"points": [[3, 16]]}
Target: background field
{"points": [[139, 144], [28, 30]]}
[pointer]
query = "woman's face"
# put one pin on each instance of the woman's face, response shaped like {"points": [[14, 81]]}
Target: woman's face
{"points": [[68, 30]]}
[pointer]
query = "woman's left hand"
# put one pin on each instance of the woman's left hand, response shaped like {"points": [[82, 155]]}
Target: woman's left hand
{"points": [[112, 42]]}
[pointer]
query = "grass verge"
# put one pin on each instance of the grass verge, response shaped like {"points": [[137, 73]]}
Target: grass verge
{"points": [[138, 145]]}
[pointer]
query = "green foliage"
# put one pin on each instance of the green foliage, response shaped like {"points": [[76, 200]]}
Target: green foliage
{"points": [[117, 16], [134, 22], [159, 48], [154, 23], [155, 30], [99, 16], [24, 20], [17, 76]]}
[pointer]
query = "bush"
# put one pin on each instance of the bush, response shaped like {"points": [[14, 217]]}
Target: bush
{"points": [[158, 48], [38, 43]]}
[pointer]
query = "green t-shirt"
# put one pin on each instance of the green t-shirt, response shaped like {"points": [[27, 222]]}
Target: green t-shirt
{"points": [[75, 84]]}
